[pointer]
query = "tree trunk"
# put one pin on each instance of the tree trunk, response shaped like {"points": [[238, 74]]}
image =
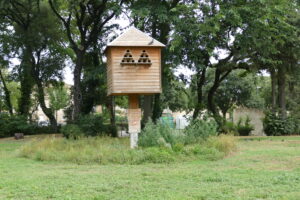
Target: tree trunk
{"points": [[47, 111], [110, 104], [164, 29], [157, 109], [77, 97], [281, 92], [26, 82], [7, 94], [210, 98], [273, 84], [224, 112], [200, 83]]}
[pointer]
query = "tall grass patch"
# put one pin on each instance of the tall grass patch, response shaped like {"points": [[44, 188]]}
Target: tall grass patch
{"points": [[101, 150], [107, 150]]}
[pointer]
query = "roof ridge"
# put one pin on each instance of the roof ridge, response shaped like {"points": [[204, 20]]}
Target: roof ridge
{"points": [[127, 38]]}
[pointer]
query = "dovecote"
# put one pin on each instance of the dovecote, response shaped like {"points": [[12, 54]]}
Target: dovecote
{"points": [[133, 69], [134, 64]]}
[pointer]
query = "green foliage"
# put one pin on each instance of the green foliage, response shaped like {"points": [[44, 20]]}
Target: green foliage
{"points": [[163, 136], [105, 150], [244, 129], [58, 97], [199, 130], [156, 135], [87, 125], [100, 150], [9, 125], [275, 125], [72, 131], [92, 125], [228, 127]]}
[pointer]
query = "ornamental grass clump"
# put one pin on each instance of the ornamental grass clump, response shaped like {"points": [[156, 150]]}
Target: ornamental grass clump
{"points": [[199, 130], [156, 135]]}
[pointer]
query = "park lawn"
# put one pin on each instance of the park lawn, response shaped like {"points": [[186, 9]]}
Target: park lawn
{"points": [[262, 168]]}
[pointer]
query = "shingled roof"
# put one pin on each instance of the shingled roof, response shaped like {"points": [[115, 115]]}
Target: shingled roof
{"points": [[135, 37]]}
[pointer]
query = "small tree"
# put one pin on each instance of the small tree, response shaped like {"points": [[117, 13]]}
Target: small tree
{"points": [[58, 97]]}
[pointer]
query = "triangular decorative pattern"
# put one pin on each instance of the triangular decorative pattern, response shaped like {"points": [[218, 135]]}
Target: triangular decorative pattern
{"points": [[127, 58], [144, 58]]}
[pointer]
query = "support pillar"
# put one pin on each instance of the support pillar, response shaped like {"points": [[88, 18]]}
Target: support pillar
{"points": [[134, 119]]}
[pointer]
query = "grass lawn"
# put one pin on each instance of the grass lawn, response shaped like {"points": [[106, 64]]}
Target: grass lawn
{"points": [[262, 168]]}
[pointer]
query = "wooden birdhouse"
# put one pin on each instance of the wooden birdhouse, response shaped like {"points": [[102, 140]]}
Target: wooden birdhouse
{"points": [[134, 64], [133, 69]]}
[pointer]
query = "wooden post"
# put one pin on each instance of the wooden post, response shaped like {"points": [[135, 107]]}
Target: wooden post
{"points": [[134, 119]]}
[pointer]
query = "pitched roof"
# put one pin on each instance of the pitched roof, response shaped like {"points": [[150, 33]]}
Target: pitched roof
{"points": [[135, 37]]}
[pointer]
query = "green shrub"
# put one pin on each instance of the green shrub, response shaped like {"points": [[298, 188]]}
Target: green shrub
{"points": [[200, 130], [14, 124], [276, 126], [72, 131], [229, 127], [156, 135], [93, 125], [246, 128]]}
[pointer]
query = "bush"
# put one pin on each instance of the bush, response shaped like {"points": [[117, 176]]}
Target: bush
{"points": [[156, 135], [92, 125], [246, 128], [72, 131], [276, 126], [200, 130], [9, 125], [229, 128], [105, 150]]}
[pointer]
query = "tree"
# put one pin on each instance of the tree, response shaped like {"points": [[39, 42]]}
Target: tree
{"points": [[247, 33], [58, 98], [42, 53], [236, 89], [7, 93], [20, 14], [84, 22], [156, 18]]}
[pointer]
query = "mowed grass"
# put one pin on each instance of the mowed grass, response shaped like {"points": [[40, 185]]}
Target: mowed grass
{"points": [[262, 168]]}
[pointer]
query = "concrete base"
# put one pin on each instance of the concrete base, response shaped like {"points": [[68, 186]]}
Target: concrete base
{"points": [[133, 140]]}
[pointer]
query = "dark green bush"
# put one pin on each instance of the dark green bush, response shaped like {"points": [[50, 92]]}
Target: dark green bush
{"points": [[9, 125], [72, 131], [88, 125], [274, 125], [156, 135], [93, 125], [244, 127], [199, 130]]}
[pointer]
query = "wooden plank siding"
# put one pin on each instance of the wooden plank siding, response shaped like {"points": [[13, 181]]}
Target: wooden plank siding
{"points": [[133, 78]]}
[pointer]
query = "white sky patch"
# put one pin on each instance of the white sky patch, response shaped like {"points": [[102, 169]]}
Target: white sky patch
{"points": [[181, 69]]}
